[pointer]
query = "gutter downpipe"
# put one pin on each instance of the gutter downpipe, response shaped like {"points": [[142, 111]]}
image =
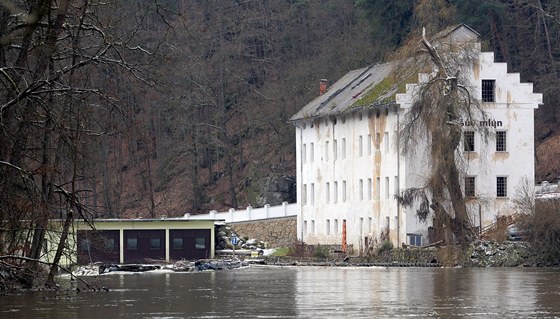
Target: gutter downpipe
{"points": [[298, 154], [398, 177]]}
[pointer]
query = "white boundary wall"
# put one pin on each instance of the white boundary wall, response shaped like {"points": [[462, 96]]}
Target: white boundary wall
{"points": [[250, 213]]}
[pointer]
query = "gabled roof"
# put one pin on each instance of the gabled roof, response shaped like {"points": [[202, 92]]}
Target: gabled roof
{"points": [[359, 89], [370, 87]]}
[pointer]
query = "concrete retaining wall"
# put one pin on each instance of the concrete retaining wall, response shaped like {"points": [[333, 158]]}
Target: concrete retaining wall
{"points": [[279, 232]]}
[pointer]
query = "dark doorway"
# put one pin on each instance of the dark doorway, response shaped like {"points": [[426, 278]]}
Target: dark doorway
{"points": [[189, 244], [141, 246]]}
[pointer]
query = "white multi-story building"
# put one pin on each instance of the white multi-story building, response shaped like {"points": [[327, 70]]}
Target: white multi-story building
{"points": [[350, 167]]}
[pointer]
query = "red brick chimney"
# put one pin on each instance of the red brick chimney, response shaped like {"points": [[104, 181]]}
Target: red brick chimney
{"points": [[323, 86]]}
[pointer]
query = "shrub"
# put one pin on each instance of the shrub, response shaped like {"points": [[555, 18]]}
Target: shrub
{"points": [[321, 252], [542, 229], [298, 249], [385, 246]]}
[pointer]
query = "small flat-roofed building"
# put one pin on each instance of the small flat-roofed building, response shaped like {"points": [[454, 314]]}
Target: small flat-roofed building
{"points": [[135, 241]]}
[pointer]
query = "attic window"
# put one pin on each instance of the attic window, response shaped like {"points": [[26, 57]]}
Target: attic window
{"points": [[488, 90], [360, 116]]}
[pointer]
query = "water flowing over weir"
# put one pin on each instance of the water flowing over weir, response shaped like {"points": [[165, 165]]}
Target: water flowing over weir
{"points": [[304, 292]]}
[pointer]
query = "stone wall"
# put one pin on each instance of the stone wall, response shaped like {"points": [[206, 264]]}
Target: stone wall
{"points": [[279, 232]]}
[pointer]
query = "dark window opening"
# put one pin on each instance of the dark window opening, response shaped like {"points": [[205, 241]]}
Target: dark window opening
{"points": [[177, 243], [501, 186], [109, 244], [132, 244], [85, 245], [200, 243], [470, 185], [468, 141], [488, 90], [415, 239], [155, 243], [501, 141]]}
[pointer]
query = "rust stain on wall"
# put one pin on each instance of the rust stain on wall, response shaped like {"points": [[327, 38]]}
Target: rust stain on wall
{"points": [[500, 156], [476, 70], [377, 123]]}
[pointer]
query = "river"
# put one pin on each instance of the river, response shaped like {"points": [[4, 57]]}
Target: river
{"points": [[304, 292]]}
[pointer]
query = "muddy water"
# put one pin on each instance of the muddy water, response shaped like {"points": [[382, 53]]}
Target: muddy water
{"points": [[307, 292]]}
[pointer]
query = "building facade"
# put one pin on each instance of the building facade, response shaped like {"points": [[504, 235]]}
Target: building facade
{"points": [[350, 165]]}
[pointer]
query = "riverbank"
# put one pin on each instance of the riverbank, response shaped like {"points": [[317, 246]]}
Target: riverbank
{"points": [[478, 254]]}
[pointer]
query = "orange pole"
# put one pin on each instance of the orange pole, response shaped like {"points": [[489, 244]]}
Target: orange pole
{"points": [[344, 236]]}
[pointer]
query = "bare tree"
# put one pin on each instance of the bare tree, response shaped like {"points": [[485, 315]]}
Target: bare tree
{"points": [[53, 58], [441, 103]]}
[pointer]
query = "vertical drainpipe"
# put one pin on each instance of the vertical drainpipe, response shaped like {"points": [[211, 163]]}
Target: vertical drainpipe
{"points": [[344, 236], [398, 177], [298, 157]]}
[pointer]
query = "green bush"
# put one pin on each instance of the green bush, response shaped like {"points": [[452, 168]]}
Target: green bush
{"points": [[281, 252]]}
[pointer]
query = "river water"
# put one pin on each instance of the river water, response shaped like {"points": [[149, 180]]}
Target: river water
{"points": [[304, 292]]}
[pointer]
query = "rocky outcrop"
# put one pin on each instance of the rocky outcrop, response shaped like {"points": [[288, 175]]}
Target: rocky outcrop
{"points": [[277, 189]]}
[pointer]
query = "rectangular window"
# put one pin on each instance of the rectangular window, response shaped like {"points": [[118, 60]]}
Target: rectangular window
{"points": [[328, 192], [386, 142], [370, 222], [303, 153], [85, 245], [361, 146], [415, 239], [328, 229], [132, 243], [343, 191], [470, 186], [335, 192], [312, 200], [468, 141], [501, 186], [336, 226], [369, 189], [488, 90], [313, 226], [361, 189], [387, 187], [304, 227], [396, 186], [377, 188], [155, 243], [326, 151], [501, 141], [311, 152], [304, 195], [343, 148], [200, 243], [361, 227], [177, 243], [369, 144], [334, 150], [108, 244]]}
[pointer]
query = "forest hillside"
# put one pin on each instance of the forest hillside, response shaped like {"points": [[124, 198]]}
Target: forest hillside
{"points": [[160, 108]]}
